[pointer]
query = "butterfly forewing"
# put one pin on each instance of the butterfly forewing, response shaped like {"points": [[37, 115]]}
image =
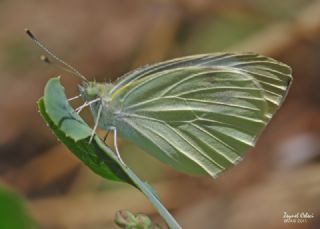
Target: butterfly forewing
{"points": [[200, 114], [273, 76]]}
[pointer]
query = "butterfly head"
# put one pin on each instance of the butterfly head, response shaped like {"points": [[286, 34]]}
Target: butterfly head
{"points": [[93, 90]]}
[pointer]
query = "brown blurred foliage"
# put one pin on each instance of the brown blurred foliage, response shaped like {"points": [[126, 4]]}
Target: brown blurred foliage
{"points": [[105, 39]]}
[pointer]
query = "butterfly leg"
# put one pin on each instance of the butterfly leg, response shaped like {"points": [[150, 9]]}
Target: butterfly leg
{"points": [[79, 109], [116, 145], [75, 97], [106, 136], [96, 123]]}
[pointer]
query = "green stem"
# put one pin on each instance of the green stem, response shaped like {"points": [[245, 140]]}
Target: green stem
{"points": [[172, 223]]}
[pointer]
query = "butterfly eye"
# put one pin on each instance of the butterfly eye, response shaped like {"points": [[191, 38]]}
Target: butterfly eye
{"points": [[92, 91]]}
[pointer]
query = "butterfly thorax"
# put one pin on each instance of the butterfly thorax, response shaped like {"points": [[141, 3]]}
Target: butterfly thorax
{"points": [[91, 91]]}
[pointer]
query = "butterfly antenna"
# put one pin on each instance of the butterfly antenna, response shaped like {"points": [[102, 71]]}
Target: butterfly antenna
{"points": [[46, 60], [67, 67]]}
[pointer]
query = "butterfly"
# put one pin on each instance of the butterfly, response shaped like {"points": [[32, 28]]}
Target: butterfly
{"points": [[199, 114]]}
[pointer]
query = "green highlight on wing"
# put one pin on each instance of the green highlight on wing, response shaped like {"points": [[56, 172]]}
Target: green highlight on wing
{"points": [[200, 114]]}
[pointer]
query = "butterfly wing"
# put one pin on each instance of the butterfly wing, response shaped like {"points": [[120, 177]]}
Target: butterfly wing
{"points": [[200, 114], [273, 76]]}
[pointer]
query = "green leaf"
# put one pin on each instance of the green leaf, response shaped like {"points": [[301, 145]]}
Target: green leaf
{"points": [[13, 212], [200, 114], [62, 114], [74, 133]]}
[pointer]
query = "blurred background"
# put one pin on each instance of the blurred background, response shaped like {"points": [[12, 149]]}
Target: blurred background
{"points": [[40, 179]]}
